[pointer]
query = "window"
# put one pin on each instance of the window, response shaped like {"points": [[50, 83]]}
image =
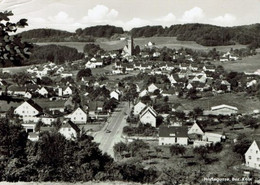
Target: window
{"points": [[82, 118], [256, 151], [69, 129], [258, 159], [249, 157]]}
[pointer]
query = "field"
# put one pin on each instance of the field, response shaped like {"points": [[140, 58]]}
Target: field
{"points": [[241, 101], [160, 42], [248, 64]]}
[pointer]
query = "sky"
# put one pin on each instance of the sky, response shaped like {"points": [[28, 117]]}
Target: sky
{"points": [[72, 14]]}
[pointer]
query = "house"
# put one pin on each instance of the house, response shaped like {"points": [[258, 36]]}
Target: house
{"points": [[95, 107], [143, 93], [148, 116], [213, 137], [28, 95], [43, 91], [170, 135], [28, 111], [78, 116], [173, 79], [67, 91], [152, 87], [183, 66], [69, 130], [16, 90], [223, 110], [196, 129], [115, 94], [252, 155], [169, 92], [210, 68], [227, 84], [138, 108]]}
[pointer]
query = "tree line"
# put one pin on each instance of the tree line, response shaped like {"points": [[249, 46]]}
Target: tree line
{"points": [[204, 34]]}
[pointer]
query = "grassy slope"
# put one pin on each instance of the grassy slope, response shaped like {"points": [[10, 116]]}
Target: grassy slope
{"points": [[241, 101], [247, 64]]}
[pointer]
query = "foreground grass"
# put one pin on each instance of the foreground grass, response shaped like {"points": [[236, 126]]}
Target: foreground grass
{"points": [[67, 183]]}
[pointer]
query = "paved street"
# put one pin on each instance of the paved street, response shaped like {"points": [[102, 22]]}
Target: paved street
{"points": [[115, 124]]}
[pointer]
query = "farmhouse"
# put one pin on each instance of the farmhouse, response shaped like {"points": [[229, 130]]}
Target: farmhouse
{"points": [[69, 130], [223, 110], [196, 129], [252, 155], [28, 111], [138, 108], [148, 115], [78, 116], [115, 94], [170, 135], [213, 137]]}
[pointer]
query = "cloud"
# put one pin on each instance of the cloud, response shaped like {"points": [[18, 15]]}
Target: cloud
{"points": [[195, 14], [225, 20], [169, 18], [100, 13], [61, 18]]}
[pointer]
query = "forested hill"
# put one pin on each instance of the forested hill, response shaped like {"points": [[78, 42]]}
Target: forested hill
{"points": [[44, 33], [100, 31], [204, 34], [81, 34]]}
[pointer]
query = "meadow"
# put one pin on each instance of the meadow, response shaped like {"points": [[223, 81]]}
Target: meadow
{"points": [[244, 103], [160, 42], [248, 64]]}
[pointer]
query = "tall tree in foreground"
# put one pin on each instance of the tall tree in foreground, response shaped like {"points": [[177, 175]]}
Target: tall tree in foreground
{"points": [[12, 50]]}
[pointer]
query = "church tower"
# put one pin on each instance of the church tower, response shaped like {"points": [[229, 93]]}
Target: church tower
{"points": [[130, 44]]}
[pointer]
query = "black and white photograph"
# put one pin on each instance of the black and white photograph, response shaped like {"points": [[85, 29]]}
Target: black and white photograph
{"points": [[129, 92]]}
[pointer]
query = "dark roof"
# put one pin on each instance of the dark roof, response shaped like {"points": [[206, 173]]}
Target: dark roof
{"points": [[70, 124], [173, 131], [148, 109], [93, 105], [35, 105], [16, 88]]}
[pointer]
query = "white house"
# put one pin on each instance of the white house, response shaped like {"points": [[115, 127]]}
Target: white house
{"points": [[28, 111], [151, 88], [67, 91], [196, 129], [43, 91], [223, 110], [138, 108], [28, 95], [115, 94], [252, 155], [148, 116], [78, 116], [143, 93], [213, 137], [69, 130], [170, 135]]}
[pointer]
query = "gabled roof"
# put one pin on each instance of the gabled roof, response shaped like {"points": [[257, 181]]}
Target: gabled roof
{"points": [[224, 106], [173, 131], [35, 105], [70, 124], [16, 88], [148, 109]]}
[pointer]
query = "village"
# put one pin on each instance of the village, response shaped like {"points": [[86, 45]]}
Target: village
{"points": [[144, 95]]}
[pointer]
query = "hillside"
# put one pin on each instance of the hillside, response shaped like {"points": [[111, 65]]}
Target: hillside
{"points": [[204, 34]]}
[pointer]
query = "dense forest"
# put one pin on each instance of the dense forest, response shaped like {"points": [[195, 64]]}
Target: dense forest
{"points": [[80, 35], [204, 34], [100, 31], [54, 53]]}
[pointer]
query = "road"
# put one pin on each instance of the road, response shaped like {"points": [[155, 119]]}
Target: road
{"points": [[115, 124]]}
